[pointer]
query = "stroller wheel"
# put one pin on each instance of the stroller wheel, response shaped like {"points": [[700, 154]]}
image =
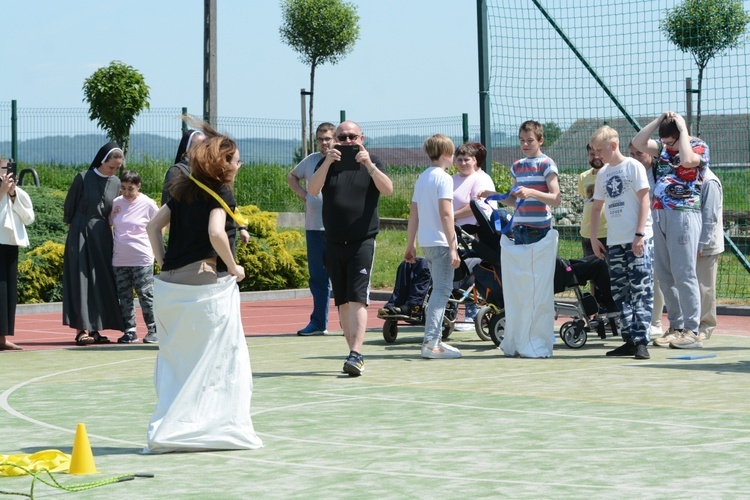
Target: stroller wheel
{"points": [[447, 328], [390, 330], [482, 322], [449, 319], [573, 334], [497, 328]]}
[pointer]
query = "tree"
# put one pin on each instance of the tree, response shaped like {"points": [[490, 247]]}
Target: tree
{"points": [[116, 95], [704, 29], [552, 133], [321, 31]]}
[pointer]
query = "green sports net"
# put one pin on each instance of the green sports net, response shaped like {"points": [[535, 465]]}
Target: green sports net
{"points": [[575, 65]]}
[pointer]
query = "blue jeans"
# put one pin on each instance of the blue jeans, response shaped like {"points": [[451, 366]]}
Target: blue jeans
{"points": [[442, 286], [320, 285], [526, 235]]}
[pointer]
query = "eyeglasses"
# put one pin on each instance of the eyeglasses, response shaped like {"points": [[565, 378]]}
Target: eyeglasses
{"points": [[669, 144], [325, 139], [351, 137]]}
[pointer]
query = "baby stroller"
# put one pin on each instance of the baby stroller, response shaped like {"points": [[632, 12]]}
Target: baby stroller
{"points": [[585, 310], [568, 275], [411, 293]]}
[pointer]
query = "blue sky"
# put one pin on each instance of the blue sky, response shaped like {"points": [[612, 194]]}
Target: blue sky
{"points": [[414, 58]]}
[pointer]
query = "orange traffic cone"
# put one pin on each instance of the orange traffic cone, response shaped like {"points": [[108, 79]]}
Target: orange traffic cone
{"points": [[82, 461]]}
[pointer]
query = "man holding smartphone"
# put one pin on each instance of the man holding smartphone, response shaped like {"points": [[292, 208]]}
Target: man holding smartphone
{"points": [[351, 191]]}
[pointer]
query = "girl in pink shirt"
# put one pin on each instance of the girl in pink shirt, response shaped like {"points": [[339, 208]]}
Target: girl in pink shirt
{"points": [[132, 257]]}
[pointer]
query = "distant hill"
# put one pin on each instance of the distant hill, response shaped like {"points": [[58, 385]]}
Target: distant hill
{"points": [[80, 149]]}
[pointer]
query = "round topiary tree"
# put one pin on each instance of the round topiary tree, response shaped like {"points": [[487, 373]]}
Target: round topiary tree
{"points": [[116, 95], [704, 29]]}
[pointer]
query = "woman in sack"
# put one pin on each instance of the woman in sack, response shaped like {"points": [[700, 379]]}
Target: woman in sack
{"points": [[16, 212], [202, 375]]}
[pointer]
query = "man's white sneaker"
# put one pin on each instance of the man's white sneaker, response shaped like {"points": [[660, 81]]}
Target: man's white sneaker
{"points": [[656, 332], [439, 350]]}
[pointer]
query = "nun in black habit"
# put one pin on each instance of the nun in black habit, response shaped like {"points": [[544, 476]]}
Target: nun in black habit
{"points": [[90, 302], [190, 138]]}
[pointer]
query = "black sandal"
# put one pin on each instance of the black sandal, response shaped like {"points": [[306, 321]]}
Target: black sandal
{"points": [[83, 338], [99, 338]]}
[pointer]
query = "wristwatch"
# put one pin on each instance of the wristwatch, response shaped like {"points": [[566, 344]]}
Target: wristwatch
{"points": [[641, 235]]}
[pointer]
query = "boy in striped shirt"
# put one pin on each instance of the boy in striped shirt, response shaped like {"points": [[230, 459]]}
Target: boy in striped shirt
{"points": [[535, 183]]}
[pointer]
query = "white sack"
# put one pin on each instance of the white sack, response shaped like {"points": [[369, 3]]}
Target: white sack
{"points": [[202, 376], [528, 291]]}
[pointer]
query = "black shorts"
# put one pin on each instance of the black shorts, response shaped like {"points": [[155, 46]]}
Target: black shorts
{"points": [[349, 266]]}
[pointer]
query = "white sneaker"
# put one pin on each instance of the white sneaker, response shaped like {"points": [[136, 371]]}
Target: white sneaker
{"points": [[464, 327], [656, 332], [439, 350]]}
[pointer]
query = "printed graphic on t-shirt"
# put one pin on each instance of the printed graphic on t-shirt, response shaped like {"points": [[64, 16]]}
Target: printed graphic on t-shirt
{"points": [[678, 187], [589, 194]]}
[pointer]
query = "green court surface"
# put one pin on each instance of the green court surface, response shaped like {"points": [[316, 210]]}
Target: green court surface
{"points": [[578, 425]]}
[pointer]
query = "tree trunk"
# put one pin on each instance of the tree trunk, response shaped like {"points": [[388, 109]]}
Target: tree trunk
{"points": [[313, 145], [700, 97]]}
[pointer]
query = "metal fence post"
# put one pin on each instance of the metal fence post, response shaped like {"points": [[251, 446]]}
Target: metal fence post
{"points": [[689, 104], [14, 130], [465, 126], [184, 123], [484, 83], [342, 116]]}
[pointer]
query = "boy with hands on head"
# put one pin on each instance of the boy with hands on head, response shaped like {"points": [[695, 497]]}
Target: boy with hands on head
{"points": [[681, 161]]}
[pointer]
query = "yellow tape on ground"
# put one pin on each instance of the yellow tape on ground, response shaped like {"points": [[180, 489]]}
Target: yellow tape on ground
{"points": [[52, 460]]}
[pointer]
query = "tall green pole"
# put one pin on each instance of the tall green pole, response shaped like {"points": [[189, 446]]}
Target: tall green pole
{"points": [[184, 123], [14, 130], [485, 124]]}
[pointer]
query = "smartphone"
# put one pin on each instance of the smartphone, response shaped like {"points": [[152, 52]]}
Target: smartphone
{"points": [[12, 167], [348, 157]]}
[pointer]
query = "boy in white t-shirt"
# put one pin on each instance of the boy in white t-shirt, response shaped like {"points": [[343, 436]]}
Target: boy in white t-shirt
{"points": [[622, 188], [431, 222], [132, 257]]}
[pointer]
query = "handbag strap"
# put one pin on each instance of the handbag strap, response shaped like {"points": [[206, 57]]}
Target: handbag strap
{"points": [[238, 218]]}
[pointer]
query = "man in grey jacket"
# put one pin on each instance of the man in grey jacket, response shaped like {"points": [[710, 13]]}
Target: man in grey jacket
{"points": [[710, 245]]}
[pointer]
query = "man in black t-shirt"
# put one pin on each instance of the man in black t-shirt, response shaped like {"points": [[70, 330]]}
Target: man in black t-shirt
{"points": [[350, 218]]}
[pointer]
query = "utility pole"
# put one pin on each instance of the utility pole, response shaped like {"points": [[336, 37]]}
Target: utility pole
{"points": [[209, 62], [305, 141]]}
